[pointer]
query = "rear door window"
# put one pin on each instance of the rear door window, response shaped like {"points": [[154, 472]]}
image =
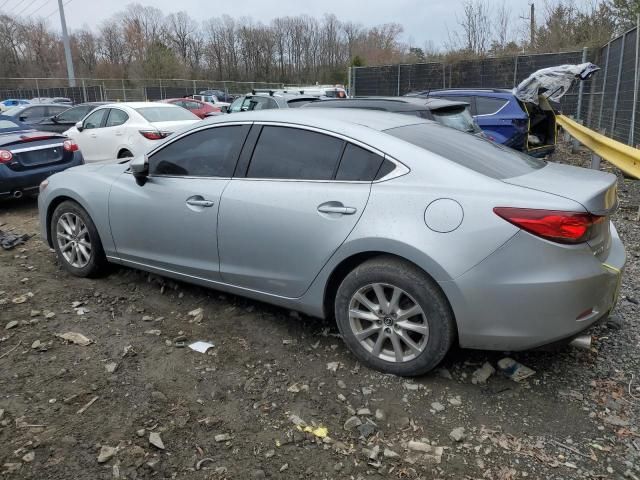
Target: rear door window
{"points": [[489, 105], [116, 118], [358, 164], [33, 114], [470, 151], [96, 119], [292, 153], [206, 153]]}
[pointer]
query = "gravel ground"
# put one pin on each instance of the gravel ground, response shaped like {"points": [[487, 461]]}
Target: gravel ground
{"points": [[252, 407]]}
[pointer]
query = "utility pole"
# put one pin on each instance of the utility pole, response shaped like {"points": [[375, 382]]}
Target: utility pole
{"points": [[67, 46], [532, 18]]}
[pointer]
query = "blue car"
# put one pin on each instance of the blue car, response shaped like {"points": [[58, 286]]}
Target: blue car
{"points": [[12, 102], [29, 156], [505, 119]]}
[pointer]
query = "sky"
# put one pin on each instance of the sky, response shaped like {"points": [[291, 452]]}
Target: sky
{"points": [[423, 20]]}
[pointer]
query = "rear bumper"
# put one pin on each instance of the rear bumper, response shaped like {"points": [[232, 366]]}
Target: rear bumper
{"points": [[531, 292], [29, 180]]}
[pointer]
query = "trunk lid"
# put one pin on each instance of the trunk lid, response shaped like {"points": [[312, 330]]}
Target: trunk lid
{"points": [[36, 149], [173, 126], [596, 191]]}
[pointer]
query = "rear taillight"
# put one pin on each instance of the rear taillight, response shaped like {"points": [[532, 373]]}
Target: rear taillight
{"points": [[5, 156], [70, 146], [555, 225], [154, 134]]}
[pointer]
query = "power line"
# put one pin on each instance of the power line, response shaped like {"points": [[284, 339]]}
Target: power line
{"points": [[4, 3], [20, 2], [26, 8], [37, 9]]}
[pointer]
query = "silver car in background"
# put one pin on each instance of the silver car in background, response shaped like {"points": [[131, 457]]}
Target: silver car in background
{"points": [[411, 234]]}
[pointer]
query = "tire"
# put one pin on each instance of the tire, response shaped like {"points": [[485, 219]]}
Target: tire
{"points": [[86, 248], [430, 330], [125, 154]]}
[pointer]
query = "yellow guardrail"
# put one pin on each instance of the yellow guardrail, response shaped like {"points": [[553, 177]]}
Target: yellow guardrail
{"points": [[623, 156]]}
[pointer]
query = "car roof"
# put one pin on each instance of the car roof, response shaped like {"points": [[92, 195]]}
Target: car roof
{"points": [[334, 119], [392, 104]]}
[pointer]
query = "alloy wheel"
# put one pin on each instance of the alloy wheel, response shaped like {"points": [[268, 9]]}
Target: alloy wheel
{"points": [[73, 240], [388, 322]]}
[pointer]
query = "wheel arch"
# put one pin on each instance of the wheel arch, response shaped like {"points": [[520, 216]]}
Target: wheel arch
{"points": [[347, 264], [53, 204]]}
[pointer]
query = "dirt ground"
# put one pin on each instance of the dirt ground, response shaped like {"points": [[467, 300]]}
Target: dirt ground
{"points": [[89, 412]]}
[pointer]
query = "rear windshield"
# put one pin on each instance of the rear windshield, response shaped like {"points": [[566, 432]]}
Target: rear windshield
{"points": [[476, 153], [459, 118], [8, 124], [165, 114]]}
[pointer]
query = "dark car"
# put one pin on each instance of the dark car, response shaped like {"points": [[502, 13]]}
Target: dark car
{"points": [[269, 99], [68, 118], [28, 156], [34, 114], [221, 95], [448, 113]]}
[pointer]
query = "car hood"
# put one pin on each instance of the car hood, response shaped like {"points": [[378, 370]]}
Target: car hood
{"points": [[553, 82]]}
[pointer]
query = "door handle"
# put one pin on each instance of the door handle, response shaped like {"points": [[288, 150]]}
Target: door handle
{"points": [[200, 203], [337, 209]]}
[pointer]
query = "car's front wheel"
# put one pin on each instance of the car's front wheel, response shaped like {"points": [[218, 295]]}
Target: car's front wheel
{"points": [[394, 317], [76, 240]]}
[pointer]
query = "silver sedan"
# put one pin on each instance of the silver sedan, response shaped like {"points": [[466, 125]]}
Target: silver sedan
{"points": [[412, 235]]}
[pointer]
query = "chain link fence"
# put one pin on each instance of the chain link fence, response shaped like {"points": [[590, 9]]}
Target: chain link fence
{"points": [[119, 90], [608, 102]]}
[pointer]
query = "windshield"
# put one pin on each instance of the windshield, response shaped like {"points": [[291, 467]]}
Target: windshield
{"points": [[470, 151], [165, 114], [458, 118]]}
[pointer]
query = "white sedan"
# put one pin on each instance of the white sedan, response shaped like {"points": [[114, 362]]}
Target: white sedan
{"points": [[122, 130]]}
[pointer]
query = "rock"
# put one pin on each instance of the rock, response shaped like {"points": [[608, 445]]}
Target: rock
{"points": [[269, 453], [36, 344], [341, 384], [366, 430], [296, 420], [615, 322], [155, 332], [294, 388], [29, 457], [373, 454], [106, 453], [153, 464], [437, 406], [380, 415], [338, 466], [111, 367], [75, 337], [404, 422], [352, 423], [411, 386], [457, 434], [387, 453], [48, 315], [284, 467], [482, 374], [147, 318], [366, 391], [444, 373], [20, 299], [155, 440], [333, 366], [158, 396], [419, 446], [140, 433], [616, 421], [34, 313], [258, 474], [1, 413], [455, 401], [364, 411], [11, 324], [222, 437], [342, 398]]}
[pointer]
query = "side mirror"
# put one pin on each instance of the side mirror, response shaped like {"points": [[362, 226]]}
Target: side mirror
{"points": [[140, 169], [79, 126], [54, 119]]}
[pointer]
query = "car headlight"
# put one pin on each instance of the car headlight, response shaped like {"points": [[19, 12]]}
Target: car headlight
{"points": [[43, 185]]}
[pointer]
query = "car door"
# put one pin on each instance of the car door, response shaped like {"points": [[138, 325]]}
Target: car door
{"points": [[113, 134], [170, 222], [89, 139], [282, 220]]}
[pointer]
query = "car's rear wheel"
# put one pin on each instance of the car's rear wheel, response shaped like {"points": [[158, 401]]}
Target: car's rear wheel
{"points": [[76, 240], [394, 317]]}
